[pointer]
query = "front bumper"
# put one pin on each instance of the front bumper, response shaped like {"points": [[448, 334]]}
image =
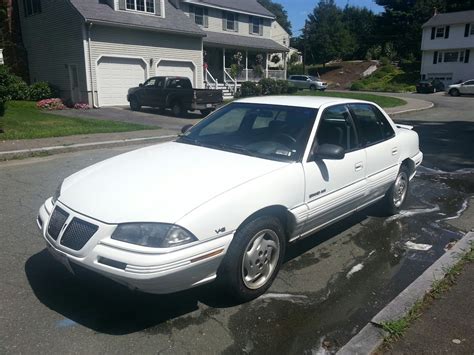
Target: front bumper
{"points": [[146, 269]]}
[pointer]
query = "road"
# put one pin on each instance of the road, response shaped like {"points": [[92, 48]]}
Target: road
{"points": [[329, 287]]}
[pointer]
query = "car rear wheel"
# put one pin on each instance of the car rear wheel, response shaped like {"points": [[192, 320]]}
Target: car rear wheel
{"points": [[177, 109], [454, 92], [397, 194], [253, 259], [135, 104]]}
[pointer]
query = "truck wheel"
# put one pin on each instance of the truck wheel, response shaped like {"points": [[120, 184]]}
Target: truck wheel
{"points": [[206, 112], [135, 104], [253, 259], [396, 195], [454, 92], [177, 109]]}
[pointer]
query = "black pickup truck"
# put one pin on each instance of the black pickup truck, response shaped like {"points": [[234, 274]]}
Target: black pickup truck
{"points": [[173, 92]]}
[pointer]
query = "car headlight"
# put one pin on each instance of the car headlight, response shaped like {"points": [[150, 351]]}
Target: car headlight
{"points": [[155, 235], [57, 193]]}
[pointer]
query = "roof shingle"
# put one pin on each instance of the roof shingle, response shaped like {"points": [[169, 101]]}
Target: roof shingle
{"points": [[251, 6], [451, 18], [236, 41]]}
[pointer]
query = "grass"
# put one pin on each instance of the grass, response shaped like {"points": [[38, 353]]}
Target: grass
{"points": [[397, 328], [383, 101], [22, 120]]}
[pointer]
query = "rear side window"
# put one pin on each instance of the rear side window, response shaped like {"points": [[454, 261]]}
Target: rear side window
{"points": [[179, 84], [336, 127], [372, 125]]}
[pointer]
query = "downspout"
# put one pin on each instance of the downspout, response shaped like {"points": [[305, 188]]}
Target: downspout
{"points": [[90, 64]]}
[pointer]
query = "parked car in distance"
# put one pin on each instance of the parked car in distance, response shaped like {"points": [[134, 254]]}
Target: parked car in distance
{"points": [[173, 92], [307, 82], [462, 89], [429, 86], [225, 199]]}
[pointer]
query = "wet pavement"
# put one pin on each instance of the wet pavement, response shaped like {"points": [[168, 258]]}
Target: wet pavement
{"points": [[330, 286]]}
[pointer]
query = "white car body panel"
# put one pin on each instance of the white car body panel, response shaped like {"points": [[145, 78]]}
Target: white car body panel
{"points": [[211, 193]]}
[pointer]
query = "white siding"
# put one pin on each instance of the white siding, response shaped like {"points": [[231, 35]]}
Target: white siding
{"points": [[147, 45], [455, 40], [53, 40], [458, 71], [279, 35], [215, 22]]}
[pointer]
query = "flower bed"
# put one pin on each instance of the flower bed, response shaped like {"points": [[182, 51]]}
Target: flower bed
{"points": [[51, 104]]}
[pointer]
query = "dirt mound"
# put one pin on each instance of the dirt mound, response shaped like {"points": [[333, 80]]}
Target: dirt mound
{"points": [[341, 75]]}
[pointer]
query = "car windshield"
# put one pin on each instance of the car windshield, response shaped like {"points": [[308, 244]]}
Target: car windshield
{"points": [[314, 78], [265, 131]]}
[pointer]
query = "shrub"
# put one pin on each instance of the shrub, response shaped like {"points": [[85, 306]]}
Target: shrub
{"points": [[249, 88], [283, 86], [81, 106], [51, 104], [269, 86], [357, 86], [12, 87], [42, 90], [295, 69]]}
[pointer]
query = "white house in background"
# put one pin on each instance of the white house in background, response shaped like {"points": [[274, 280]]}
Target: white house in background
{"points": [[448, 47], [280, 36], [94, 50]]}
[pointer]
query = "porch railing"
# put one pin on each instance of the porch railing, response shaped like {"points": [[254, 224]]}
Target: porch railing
{"points": [[252, 75], [277, 74], [230, 82], [210, 80]]}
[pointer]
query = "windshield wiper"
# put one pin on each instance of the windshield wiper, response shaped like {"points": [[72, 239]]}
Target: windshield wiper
{"points": [[186, 139], [240, 149]]}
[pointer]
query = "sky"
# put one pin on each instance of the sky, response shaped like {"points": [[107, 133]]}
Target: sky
{"points": [[298, 10]]}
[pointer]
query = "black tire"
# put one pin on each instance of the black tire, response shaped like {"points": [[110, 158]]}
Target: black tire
{"points": [[454, 92], [177, 108], [312, 87], [398, 192], [206, 112], [135, 104], [232, 272]]}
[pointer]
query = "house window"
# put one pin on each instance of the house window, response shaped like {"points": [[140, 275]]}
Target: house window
{"points": [[439, 32], [256, 25], [461, 56], [230, 17], [141, 5], [450, 57], [440, 57], [32, 7], [472, 29], [199, 15]]}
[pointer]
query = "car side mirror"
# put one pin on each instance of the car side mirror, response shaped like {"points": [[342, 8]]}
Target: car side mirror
{"points": [[186, 128], [329, 151], [140, 85]]}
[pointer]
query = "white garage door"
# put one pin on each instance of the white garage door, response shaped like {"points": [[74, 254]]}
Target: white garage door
{"points": [[115, 76], [175, 68]]}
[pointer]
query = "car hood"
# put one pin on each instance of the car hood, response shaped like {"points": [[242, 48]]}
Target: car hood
{"points": [[161, 183]]}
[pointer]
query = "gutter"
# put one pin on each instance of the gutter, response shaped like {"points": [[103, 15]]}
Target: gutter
{"points": [[90, 63]]}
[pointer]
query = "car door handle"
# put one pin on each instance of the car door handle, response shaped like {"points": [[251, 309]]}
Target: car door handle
{"points": [[394, 151], [358, 166]]}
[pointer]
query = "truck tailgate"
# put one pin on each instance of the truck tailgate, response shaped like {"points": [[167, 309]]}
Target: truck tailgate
{"points": [[207, 96]]}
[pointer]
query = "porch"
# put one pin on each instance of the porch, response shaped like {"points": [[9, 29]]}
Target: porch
{"points": [[230, 60]]}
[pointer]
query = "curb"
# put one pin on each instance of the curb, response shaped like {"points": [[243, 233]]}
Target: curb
{"points": [[369, 339], [412, 110], [27, 153]]}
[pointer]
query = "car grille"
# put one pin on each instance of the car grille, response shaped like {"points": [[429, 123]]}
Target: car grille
{"points": [[78, 233], [58, 218]]}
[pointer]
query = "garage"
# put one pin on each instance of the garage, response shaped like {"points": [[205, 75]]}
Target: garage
{"points": [[115, 76], [176, 68]]}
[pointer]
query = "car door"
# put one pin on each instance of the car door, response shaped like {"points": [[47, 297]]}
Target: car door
{"points": [[147, 91], [468, 87], [334, 188], [378, 138]]}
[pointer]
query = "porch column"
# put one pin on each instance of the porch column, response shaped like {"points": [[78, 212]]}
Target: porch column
{"points": [[246, 65], [266, 65], [223, 64], [285, 65]]}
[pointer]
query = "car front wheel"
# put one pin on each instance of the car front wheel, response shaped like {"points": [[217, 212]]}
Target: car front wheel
{"points": [[135, 104], [397, 194], [253, 259], [454, 92]]}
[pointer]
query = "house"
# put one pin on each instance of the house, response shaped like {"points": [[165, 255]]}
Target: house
{"points": [[280, 36], [95, 50], [448, 47]]}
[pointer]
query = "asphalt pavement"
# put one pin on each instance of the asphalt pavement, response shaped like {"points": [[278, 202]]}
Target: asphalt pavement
{"points": [[330, 286]]}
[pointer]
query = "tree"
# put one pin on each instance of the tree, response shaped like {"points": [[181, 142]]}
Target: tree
{"points": [[280, 13], [326, 36], [360, 22]]}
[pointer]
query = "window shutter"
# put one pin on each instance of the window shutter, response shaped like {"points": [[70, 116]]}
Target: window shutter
{"points": [[433, 32], [435, 57], [446, 32], [250, 25], [122, 5], [224, 21], [467, 29], [206, 18], [260, 27], [466, 57], [158, 7], [236, 22]]}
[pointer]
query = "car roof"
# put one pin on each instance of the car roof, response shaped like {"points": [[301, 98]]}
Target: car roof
{"points": [[299, 101]]}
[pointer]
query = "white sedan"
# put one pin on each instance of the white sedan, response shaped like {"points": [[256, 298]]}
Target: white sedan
{"points": [[225, 199]]}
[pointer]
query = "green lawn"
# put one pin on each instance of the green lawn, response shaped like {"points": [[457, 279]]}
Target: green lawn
{"points": [[22, 120], [383, 101]]}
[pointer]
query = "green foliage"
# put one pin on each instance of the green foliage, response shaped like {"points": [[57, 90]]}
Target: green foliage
{"points": [[12, 87], [280, 13], [250, 88], [295, 69], [42, 90], [294, 58], [389, 78], [383, 101], [266, 86]]}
